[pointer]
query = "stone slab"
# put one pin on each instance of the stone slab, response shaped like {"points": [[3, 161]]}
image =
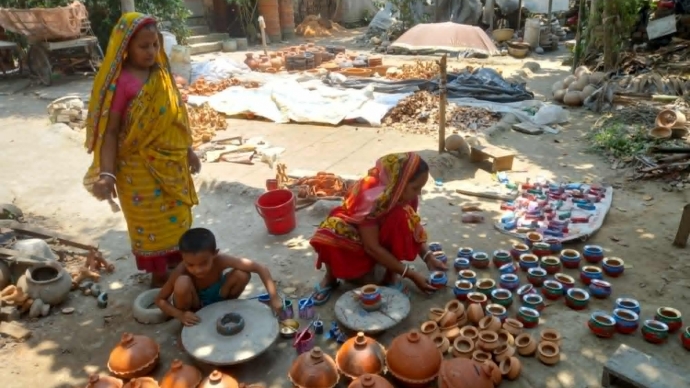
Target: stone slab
{"points": [[14, 330], [628, 367], [395, 308]]}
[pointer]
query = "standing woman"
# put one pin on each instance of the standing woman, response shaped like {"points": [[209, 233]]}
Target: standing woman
{"points": [[138, 132]]}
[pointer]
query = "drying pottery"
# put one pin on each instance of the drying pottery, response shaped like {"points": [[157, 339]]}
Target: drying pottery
{"points": [[468, 275], [599, 289], [430, 328], [552, 290], [435, 247], [509, 281], [462, 288], [480, 260], [460, 263], [134, 356], [47, 281], [413, 358], [477, 297], [370, 297], [513, 326], [451, 333], [314, 369], [655, 332], [485, 286], [470, 332], [613, 266], [442, 343], [551, 335], [464, 373], [593, 254], [602, 324], [96, 381], [181, 375], [570, 258], [536, 276], [497, 311], [218, 379], [541, 249], [370, 381], [489, 323], [502, 296], [462, 320], [435, 314], [525, 345], [671, 317], [230, 324], [488, 341], [627, 321], [551, 264], [533, 301], [548, 353], [589, 273], [503, 352], [685, 338], [628, 304], [504, 337], [519, 250], [508, 268], [494, 372], [511, 368], [475, 312], [502, 258], [577, 299], [566, 281], [481, 356], [454, 306], [463, 347], [251, 62], [528, 261], [670, 118], [533, 237], [142, 382], [360, 355], [448, 320]]}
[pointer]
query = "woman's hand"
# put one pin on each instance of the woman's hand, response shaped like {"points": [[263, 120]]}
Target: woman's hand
{"points": [[194, 162], [104, 188], [420, 281]]}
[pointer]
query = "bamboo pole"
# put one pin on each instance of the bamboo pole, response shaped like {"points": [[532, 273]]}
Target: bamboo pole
{"points": [[578, 36], [442, 104]]}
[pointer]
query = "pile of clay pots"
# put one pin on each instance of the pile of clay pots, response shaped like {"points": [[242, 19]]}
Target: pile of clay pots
{"points": [[575, 89]]}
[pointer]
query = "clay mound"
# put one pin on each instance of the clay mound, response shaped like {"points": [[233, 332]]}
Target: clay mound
{"points": [[315, 27]]}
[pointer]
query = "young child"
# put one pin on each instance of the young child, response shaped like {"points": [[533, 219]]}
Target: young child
{"points": [[205, 277]]}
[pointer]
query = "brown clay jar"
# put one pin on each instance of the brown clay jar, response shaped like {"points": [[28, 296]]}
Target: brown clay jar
{"points": [[413, 358], [480, 356], [442, 343], [134, 356], [475, 312], [435, 314], [464, 373], [488, 341], [360, 355], [455, 307], [513, 326], [181, 376], [448, 320], [470, 332], [503, 351], [548, 353], [463, 347], [251, 62], [430, 328], [489, 323], [97, 381], [218, 379], [370, 381], [551, 335], [504, 337], [451, 333], [142, 382], [495, 373], [314, 369], [525, 345], [511, 368]]}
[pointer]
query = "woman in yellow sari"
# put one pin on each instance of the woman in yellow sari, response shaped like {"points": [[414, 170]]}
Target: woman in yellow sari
{"points": [[138, 132]]}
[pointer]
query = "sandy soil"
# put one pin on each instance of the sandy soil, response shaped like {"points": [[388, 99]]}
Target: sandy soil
{"points": [[43, 170]]}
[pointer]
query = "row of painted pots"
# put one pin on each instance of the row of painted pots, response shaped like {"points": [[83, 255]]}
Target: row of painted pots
{"points": [[667, 320]]}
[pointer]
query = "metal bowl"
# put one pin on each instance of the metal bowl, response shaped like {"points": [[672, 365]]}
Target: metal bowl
{"points": [[289, 328]]}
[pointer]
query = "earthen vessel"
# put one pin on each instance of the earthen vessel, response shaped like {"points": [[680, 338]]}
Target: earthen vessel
{"points": [[142, 382], [488, 341], [413, 359], [489, 323], [470, 332], [505, 337], [442, 343], [513, 326], [96, 381], [250, 61], [475, 312], [481, 356], [463, 347], [548, 353], [47, 281], [370, 381], [360, 355], [181, 375], [495, 372], [218, 379], [435, 314], [551, 335], [464, 373], [511, 368], [503, 352], [315, 369], [430, 328], [134, 356], [449, 319], [525, 345], [455, 307]]}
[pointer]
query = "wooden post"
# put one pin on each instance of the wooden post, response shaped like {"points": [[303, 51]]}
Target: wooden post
{"points": [[578, 36], [683, 232], [442, 105], [517, 28], [127, 6]]}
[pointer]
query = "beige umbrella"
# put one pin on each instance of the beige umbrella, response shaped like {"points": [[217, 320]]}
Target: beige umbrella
{"points": [[447, 37]]}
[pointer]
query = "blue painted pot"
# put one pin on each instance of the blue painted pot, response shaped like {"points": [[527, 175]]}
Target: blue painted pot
{"points": [[627, 321], [509, 281], [465, 253], [613, 266], [461, 263], [507, 268], [600, 289], [593, 254], [628, 304], [435, 247], [461, 289]]}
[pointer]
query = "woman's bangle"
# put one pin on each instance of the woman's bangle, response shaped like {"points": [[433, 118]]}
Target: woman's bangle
{"points": [[426, 255], [405, 271], [109, 175]]}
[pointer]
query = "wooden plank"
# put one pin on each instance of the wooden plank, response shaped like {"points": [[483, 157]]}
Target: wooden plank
{"points": [[19, 257], [683, 232], [38, 232], [628, 367]]}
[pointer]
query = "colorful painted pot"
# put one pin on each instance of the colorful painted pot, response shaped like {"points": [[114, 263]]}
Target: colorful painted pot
{"points": [[497, 311], [438, 279], [566, 281], [502, 296], [509, 281], [570, 258], [525, 289], [536, 276], [480, 260], [541, 249], [555, 244], [461, 263], [671, 317], [533, 237], [519, 250], [613, 266], [628, 304], [462, 288], [533, 301], [654, 332], [685, 338], [502, 257], [478, 298], [465, 252], [589, 273], [485, 286], [508, 268], [602, 324], [441, 256], [577, 298], [552, 290], [593, 254], [528, 261], [626, 321], [468, 275], [435, 247], [600, 289], [551, 264], [528, 317]]}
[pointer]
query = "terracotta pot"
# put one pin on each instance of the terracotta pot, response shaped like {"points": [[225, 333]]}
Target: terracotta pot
{"points": [[370, 381], [96, 381], [265, 64], [429, 328], [462, 320], [276, 62], [495, 373], [464, 373], [489, 323], [470, 332], [551, 335], [134, 356], [360, 355], [488, 341], [481, 356], [475, 312], [525, 345], [513, 326], [218, 379], [413, 358], [181, 376], [511, 368], [455, 307], [48, 282], [463, 347], [505, 337], [142, 382], [449, 319], [452, 333], [548, 353], [314, 369], [251, 62], [435, 314], [442, 343], [503, 352]]}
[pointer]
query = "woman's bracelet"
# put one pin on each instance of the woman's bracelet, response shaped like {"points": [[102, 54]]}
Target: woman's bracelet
{"points": [[109, 175], [426, 255], [405, 271]]}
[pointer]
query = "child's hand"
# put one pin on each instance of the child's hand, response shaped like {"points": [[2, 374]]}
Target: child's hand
{"points": [[188, 318], [276, 305]]}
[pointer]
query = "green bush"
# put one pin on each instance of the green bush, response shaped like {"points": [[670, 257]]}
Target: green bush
{"points": [[105, 13]]}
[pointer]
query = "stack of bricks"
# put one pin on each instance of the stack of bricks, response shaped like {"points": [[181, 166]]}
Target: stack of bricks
{"points": [[68, 110]]}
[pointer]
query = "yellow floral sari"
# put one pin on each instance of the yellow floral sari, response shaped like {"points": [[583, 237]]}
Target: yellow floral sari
{"points": [[154, 185]]}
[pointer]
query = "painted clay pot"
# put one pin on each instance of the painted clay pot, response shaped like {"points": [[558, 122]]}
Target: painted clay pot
{"points": [[481, 356], [525, 289], [533, 301], [477, 298], [480, 260], [577, 298], [529, 317], [555, 244], [462, 288], [504, 337], [435, 247], [464, 373], [134, 356], [685, 338], [441, 256], [503, 351], [430, 328], [142, 382], [552, 290], [551, 264], [551, 335], [628, 304], [654, 332], [509, 268], [461, 263], [442, 343], [502, 296], [47, 281], [181, 375], [413, 359], [566, 281], [370, 297], [494, 372], [509, 281], [485, 286], [518, 250], [487, 341], [475, 312], [370, 381], [599, 289], [590, 272], [670, 317], [533, 237], [627, 321], [525, 345], [469, 332], [593, 254], [536, 276], [511, 368], [541, 249], [570, 258], [501, 258], [602, 324], [360, 355], [497, 311], [316, 369], [96, 381], [489, 323], [438, 279], [528, 261], [468, 275], [463, 347], [548, 353], [513, 326], [465, 253], [613, 266], [218, 379], [435, 314]]}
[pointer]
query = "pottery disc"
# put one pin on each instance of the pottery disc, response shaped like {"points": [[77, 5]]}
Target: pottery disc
{"points": [[205, 344], [394, 308]]}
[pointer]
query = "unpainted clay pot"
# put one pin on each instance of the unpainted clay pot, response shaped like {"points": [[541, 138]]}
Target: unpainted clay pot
{"points": [[314, 369], [442, 343], [435, 314], [456, 307], [489, 323], [360, 355], [134, 356], [218, 379], [464, 373], [142, 382], [488, 341], [503, 352], [551, 335], [513, 326], [181, 375], [504, 337], [463, 347], [548, 353], [413, 358], [448, 320], [97, 381], [495, 372], [525, 345], [370, 381], [430, 328], [475, 313], [47, 281], [470, 332], [511, 368]]}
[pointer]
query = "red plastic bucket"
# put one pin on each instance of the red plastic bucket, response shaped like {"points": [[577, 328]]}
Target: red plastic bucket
{"points": [[277, 208]]}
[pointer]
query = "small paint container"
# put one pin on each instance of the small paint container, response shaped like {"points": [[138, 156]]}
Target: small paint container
{"points": [[264, 298], [318, 327], [305, 308], [288, 311]]}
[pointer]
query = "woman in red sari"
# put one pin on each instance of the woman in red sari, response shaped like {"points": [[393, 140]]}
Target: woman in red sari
{"points": [[377, 224]]}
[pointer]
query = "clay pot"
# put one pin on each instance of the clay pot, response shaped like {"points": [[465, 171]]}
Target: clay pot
{"points": [[525, 345], [314, 369], [429, 328], [503, 351], [495, 372], [455, 307], [451, 333], [470, 332], [413, 358], [370, 381], [511, 368], [488, 341], [276, 62], [265, 64], [448, 320], [442, 343], [48, 282], [462, 320], [505, 337], [551, 335], [360, 355], [481, 356], [548, 353], [142, 382], [134, 356], [218, 379], [464, 373], [489, 323], [475, 312], [96, 381], [463, 347], [513, 326], [181, 375], [251, 62], [435, 314]]}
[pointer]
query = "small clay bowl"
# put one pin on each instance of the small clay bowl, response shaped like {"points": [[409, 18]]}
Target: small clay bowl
{"points": [[468, 275], [536, 276], [552, 290], [525, 345], [230, 324], [533, 301], [481, 356], [480, 260], [429, 328], [551, 264], [627, 321], [509, 281], [527, 261], [477, 297], [465, 252], [469, 332], [590, 272], [599, 289], [528, 317], [502, 296], [602, 324], [505, 337], [577, 298], [570, 258], [501, 258]]}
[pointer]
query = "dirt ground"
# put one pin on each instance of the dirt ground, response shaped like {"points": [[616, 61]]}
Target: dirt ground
{"points": [[42, 174]]}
